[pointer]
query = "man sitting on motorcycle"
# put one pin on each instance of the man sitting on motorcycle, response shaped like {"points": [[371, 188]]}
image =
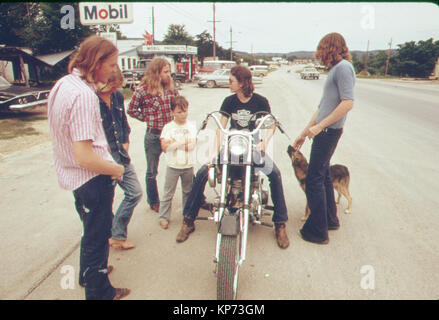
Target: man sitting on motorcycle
{"points": [[242, 106]]}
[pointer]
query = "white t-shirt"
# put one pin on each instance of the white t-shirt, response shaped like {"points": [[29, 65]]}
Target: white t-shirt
{"points": [[180, 159]]}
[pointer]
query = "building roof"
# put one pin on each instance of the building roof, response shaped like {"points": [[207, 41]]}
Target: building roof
{"points": [[9, 53], [53, 58], [13, 53], [126, 45]]}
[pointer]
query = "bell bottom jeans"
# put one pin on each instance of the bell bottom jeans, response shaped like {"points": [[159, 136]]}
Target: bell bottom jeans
{"points": [[153, 151], [319, 188]]}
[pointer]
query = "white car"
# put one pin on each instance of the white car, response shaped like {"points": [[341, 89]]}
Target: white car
{"points": [[309, 73], [219, 78]]}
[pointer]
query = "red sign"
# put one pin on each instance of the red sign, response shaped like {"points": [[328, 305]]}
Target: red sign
{"points": [[148, 38]]}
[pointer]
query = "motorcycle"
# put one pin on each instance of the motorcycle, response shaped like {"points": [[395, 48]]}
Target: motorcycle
{"points": [[241, 200]]}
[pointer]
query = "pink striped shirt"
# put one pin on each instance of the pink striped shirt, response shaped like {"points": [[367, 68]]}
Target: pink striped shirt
{"points": [[74, 115]]}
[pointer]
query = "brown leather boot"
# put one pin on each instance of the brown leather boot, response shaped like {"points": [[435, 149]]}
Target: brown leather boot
{"points": [[281, 235], [186, 229]]}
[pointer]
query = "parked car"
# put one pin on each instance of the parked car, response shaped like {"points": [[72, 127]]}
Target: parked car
{"points": [[259, 71], [179, 78], [134, 76], [211, 66], [17, 97], [309, 73], [219, 78]]}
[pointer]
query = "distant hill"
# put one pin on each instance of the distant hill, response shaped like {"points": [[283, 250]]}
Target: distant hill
{"points": [[309, 54]]}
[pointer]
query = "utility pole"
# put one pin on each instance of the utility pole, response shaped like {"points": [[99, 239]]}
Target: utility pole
{"points": [[367, 55], [388, 58], [231, 52], [214, 32], [153, 36]]}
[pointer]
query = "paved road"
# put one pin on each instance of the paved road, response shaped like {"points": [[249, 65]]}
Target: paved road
{"points": [[386, 249]]}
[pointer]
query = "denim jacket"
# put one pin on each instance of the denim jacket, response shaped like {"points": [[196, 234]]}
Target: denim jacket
{"points": [[116, 127]]}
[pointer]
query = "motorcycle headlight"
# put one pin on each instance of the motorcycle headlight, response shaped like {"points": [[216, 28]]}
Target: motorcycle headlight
{"points": [[238, 145]]}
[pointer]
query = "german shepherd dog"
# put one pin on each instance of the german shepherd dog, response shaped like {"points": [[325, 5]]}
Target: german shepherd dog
{"points": [[339, 176]]}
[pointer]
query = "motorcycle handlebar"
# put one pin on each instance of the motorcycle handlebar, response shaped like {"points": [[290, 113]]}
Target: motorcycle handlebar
{"points": [[218, 123]]}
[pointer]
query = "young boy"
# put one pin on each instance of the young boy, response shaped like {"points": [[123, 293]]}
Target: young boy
{"points": [[178, 141]]}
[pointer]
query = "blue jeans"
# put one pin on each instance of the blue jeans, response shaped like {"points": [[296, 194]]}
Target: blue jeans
{"points": [[153, 150], [133, 193], [94, 201], [319, 188], [196, 196]]}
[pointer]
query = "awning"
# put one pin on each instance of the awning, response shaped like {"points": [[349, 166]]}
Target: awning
{"points": [[53, 58], [13, 53]]}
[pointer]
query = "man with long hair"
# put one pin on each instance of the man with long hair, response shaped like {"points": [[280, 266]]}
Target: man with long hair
{"points": [[82, 159], [150, 103], [325, 128], [241, 106]]}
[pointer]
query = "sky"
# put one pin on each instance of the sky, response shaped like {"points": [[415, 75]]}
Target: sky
{"points": [[280, 27]]}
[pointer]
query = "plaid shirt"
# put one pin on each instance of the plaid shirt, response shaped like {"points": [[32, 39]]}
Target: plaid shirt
{"points": [[155, 110]]}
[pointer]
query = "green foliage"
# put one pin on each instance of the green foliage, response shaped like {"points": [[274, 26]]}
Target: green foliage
{"points": [[16, 19], [204, 43], [416, 59], [38, 26], [177, 34], [411, 59], [49, 37]]}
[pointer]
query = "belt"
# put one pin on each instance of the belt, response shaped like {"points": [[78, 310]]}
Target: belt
{"points": [[153, 130], [331, 130]]}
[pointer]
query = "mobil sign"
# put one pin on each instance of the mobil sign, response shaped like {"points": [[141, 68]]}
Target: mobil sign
{"points": [[105, 13]]}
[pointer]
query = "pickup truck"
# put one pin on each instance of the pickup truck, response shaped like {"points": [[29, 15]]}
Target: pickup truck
{"points": [[135, 75]]}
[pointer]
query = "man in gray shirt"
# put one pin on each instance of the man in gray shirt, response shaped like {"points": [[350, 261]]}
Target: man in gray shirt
{"points": [[325, 128]]}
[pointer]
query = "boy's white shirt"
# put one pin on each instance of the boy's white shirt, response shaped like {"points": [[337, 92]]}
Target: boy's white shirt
{"points": [[180, 159]]}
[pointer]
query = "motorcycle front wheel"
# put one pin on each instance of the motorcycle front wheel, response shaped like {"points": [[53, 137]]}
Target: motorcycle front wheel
{"points": [[228, 265]]}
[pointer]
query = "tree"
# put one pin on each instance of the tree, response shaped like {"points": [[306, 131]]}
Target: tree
{"points": [[377, 63], [416, 59], [16, 21], [178, 35], [357, 63], [37, 26], [204, 43], [49, 37]]}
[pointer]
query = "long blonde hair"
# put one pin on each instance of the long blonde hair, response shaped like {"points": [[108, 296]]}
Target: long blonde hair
{"points": [[152, 78], [92, 51]]}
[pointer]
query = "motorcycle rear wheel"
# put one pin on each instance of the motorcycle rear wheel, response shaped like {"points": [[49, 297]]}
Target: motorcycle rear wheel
{"points": [[227, 276]]}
